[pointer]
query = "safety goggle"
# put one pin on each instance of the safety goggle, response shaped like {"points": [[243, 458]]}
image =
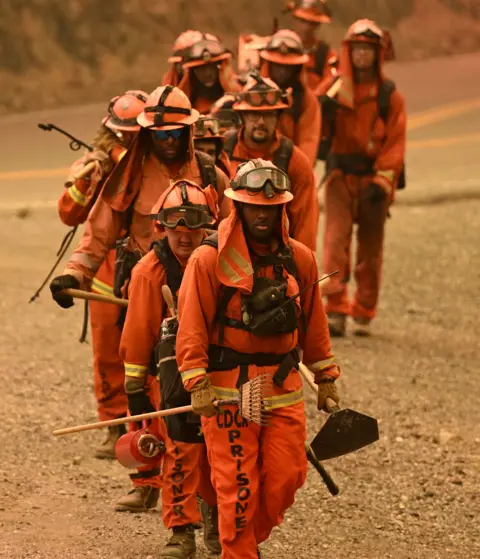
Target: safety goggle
{"points": [[367, 30], [205, 50], [163, 135], [205, 125], [254, 181], [285, 45], [189, 216], [266, 97]]}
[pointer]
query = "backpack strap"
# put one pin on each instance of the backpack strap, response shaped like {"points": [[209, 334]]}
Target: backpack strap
{"points": [[172, 266], [207, 170], [321, 54], [282, 156], [231, 140], [384, 92], [211, 240]]}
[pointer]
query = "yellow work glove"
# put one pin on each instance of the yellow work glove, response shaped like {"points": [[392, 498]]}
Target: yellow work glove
{"points": [[202, 398], [326, 389]]}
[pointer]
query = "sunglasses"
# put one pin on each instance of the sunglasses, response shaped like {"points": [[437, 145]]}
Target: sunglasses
{"points": [[162, 135]]}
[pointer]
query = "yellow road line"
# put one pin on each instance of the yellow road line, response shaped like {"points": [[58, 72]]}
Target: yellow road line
{"points": [[34, 174], [444, 112], [443, 141]]}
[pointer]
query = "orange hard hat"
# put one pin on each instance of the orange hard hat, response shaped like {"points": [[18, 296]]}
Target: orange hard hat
{"points": [[167, 108], [207, 50], [186, 206], [260, 182], [262, 94], [365, 31], [123, 111], [315, 11], [285, 47], [182, 43]]}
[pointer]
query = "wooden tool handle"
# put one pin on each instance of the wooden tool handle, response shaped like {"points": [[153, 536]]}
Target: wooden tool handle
{"points": [[326, 477], [86, 170], [309, 377], [89, 296], [332, 406], [168, 298]]}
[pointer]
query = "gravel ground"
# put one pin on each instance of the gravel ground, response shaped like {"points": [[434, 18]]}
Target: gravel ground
{"points": [[415, 494]]}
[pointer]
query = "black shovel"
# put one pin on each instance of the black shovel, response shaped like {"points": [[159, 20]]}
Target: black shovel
{"points": [[344, 431]]}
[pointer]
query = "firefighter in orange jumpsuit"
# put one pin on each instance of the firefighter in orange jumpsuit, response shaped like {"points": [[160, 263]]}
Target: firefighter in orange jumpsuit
{"points": [[364, 169], [260, 105], [284, 61], [208, 73], [256, 471], [118, 129], [161, 152], [182, 43], [182, 213], [223, 110], [208, 139]]}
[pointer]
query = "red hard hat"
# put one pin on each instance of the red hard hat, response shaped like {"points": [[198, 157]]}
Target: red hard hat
{"points": [[123, 111], [167, 108], [285, 47], [315, 11], [262, 94], [366, 31], [183, 42], [207, 50]]}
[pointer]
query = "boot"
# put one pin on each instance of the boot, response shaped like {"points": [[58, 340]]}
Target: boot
{"points": [[106, 450], [181, 545], [361, 326], [337, 323], [211, 537], [139, 499]]}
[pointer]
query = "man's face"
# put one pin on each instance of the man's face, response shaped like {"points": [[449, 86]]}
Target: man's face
{"points": [[305, 29], [260, 125], [206, 146], [282, 74], [183, 243], [260, 221], [207, 74], [170, 145], [363, 55]]}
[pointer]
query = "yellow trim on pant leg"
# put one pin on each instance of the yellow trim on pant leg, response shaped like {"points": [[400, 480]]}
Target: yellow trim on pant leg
{"points": [[135, 371], [101, 287]]}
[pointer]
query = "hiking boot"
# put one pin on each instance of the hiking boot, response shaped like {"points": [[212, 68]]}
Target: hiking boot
{"points": [[106, 450], [337, 323], [211, 537], [361, 326], [181, 545], [139, 499]]}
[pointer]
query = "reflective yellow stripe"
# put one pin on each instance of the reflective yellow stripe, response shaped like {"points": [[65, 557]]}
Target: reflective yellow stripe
{"points": [[77, 196], [321, 365], [389, 175], [228, 270], [238, 259], [102, 288], [135, 371], [225, 393], [284, 400], [121, 155], [192, 373]]}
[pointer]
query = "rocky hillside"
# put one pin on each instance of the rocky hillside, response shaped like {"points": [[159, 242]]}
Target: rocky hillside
{"points": [[59, 52]]}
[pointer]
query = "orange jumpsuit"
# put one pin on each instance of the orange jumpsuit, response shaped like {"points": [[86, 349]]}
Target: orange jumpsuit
{"points": [[362, 134], [303, 121], [140, 181], [108, 376], [256, 471], [182, 462], [303, 211]]}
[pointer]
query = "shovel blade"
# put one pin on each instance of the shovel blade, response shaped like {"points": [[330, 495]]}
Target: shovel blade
{"points": [[344, 431]]}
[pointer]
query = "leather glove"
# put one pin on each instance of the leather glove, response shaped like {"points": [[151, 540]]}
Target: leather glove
{"points": [[202, 398], [374, 193], [138, 400], [60, 283], [326, 389]]}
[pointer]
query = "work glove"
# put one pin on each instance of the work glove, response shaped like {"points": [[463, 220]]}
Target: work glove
{"points": [[374, 193], [202, 398], [60, 283], [326, 389], [138, 400]]}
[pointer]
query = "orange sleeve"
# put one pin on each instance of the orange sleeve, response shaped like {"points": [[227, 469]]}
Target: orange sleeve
{"points": [[307, 129], [303, 211], [225, 203], [197, 303], [102, 229], [315, 339], [144, 317], [389, 162]]}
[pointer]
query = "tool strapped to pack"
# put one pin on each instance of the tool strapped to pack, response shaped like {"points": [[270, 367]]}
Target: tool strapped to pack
{"points": [[183, 427], [298, 94], [266, 294], [207, 168], [329, 113], [320, 56], [281, 156]]}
